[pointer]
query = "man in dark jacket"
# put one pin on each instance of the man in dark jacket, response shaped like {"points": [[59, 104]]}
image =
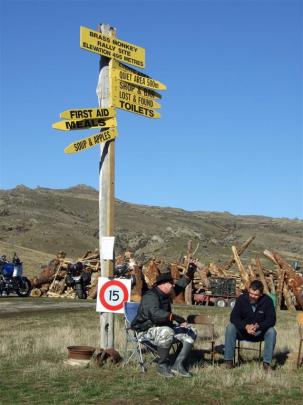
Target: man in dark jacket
{"points": [[252, 318], [156, 323]]}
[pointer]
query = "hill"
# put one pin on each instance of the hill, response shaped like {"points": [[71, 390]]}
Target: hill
{"points": [[37, 223]]}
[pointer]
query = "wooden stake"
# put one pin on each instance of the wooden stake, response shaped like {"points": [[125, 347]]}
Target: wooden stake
{"points": [[242, 271], [287, 296], [261, 275], [239, 252], [189, 288], [280, 286]]}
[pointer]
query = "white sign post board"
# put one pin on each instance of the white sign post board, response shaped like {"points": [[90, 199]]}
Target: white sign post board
{"points": [[112, 293]]}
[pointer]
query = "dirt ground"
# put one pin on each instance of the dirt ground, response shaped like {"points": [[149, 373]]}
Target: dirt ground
{"points": [[17, 305]]}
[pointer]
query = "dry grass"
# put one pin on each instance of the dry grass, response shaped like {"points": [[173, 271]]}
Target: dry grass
{"points": [[33, 350]]}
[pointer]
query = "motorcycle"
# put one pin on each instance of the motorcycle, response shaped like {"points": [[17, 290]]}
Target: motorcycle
{"points": [[124, 271], [78, 279], [11, 279]]}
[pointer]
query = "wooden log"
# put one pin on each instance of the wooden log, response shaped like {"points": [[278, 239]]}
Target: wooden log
{"points": [[280, 286], [271, 284], [150, 273], [241, 249], [188, 292], [53, 282], [294, 280], [137, 271], [288, 298], [36, 292], [251, 272], [242, 271], [261, 275], [270, 255], [52, 294]]}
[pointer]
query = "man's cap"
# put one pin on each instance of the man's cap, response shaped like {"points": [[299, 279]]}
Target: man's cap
{"points": [[163, 278]]}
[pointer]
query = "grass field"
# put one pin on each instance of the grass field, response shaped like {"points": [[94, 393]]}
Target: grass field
{"points": [[33, 350]]}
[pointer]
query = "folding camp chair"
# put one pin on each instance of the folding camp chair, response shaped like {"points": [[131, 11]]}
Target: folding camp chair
{"points": [[135, 348], [247, 346]]}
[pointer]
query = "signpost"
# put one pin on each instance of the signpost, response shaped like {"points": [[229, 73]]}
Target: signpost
{"points": [[131, 90], [90, 141]]}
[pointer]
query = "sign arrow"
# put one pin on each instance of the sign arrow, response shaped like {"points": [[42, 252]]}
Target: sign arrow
{"points": [[90, 141], [85, 124]]}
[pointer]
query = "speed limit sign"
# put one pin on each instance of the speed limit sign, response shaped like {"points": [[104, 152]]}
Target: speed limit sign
{"points": [[112, 294]]}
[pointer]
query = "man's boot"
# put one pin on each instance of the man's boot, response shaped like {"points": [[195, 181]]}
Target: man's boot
{"points": [[267, 367], [229, 364], [178, 367], [163, 364]]}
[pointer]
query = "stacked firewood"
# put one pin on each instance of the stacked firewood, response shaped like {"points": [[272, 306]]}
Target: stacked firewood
{"points": [[281, 281], [51, 281]]}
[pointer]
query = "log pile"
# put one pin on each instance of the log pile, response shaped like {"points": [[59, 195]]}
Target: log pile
{"points": [[281, 281], [52, 280]]}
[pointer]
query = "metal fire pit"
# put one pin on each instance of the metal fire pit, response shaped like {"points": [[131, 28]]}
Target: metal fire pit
{"points": [[80, 352]]}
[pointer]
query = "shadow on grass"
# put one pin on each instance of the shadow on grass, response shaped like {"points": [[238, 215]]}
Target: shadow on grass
{"points": [[281, 357]]}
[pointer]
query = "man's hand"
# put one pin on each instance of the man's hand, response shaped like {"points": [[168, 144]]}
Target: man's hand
{"points": [[250, 329], [184, 325]]}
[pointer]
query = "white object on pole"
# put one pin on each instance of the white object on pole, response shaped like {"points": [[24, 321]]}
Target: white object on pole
{"points": [[107, 247]]}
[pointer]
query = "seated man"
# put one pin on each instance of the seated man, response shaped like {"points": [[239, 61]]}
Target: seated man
{"points": [[252, 318], [155, 323]]}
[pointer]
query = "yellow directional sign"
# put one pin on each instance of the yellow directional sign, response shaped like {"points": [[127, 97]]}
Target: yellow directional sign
{"points": [[140, 90], [124, 95], [90, 141], [94, 41], [137, 79], [119, 85], [140, 101], [135, 108], [85, 124], [88, 113]]}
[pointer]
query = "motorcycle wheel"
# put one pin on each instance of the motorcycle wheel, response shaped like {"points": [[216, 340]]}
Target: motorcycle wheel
{"points": [[80, 292], [24, 287]]}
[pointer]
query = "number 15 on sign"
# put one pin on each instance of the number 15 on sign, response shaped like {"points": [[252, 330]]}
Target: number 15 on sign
{"points": [[112, 294]]}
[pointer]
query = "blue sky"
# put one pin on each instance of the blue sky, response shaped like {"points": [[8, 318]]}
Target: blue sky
{"points": [[230, 134]]}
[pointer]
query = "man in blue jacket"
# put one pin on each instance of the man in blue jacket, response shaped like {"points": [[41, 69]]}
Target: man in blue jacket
{"points": [[253, 318]]}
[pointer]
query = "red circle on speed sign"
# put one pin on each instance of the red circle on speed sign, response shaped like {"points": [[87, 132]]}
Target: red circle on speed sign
{"points": [[103, 290]]}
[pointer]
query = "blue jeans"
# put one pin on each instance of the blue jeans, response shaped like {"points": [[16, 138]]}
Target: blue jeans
{"points": [[231, 335]]}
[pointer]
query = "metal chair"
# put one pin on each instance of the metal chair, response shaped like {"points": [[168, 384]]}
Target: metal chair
{"points": [[208, 322], [135, 347], [239, 348], [300, 324]]}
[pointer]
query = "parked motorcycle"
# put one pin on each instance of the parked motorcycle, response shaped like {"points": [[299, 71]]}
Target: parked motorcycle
{"points": [[124, 271], [78, 279], [11, 279]]}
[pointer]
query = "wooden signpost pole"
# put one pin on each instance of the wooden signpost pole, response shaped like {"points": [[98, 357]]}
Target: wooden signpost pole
{"points": [[105, 43], [106, 192]]}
